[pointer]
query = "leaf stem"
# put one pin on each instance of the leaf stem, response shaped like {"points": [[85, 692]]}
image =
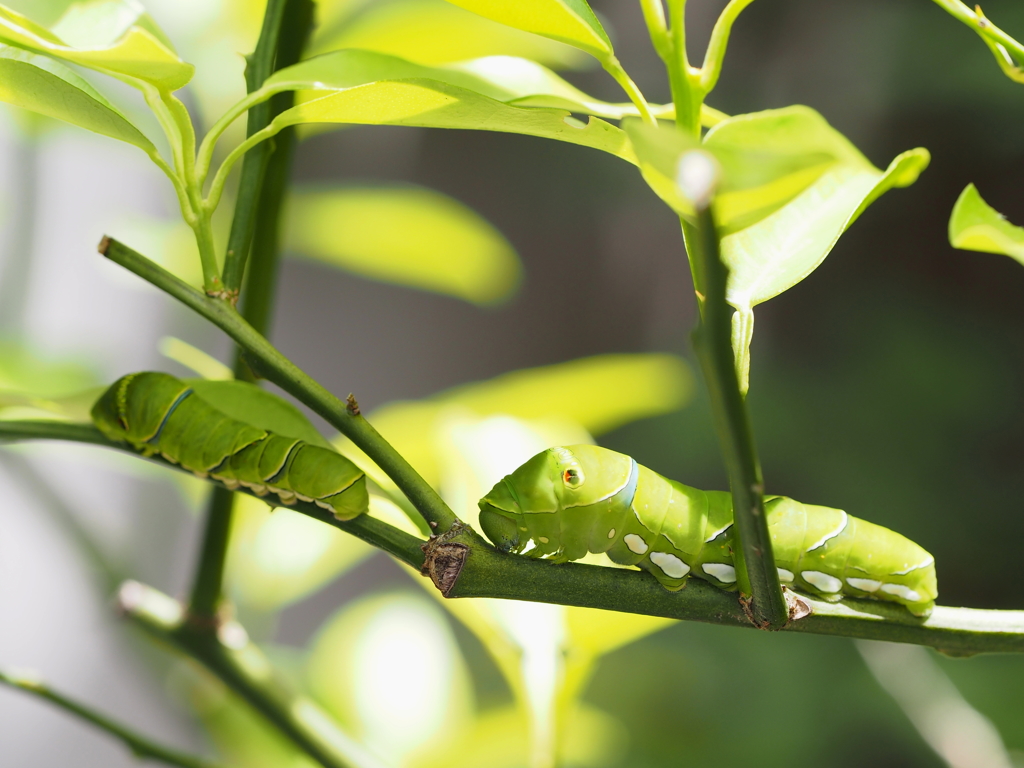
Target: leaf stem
{"points": [[614, 68], [283, 372], [241, 665], [683, 79], [140, 746], [756, 574], [286, 26], [718, 44]]}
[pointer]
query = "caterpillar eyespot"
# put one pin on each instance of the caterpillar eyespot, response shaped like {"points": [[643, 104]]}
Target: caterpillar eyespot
{"points": [[675, 532], [156, 413]]}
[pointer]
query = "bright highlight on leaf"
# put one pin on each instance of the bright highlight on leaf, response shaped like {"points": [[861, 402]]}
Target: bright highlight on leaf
{"points": [[407, 236], [976, 226], [436, 32], [791, 185], [568, 21], [136, 54], [40, 84]]}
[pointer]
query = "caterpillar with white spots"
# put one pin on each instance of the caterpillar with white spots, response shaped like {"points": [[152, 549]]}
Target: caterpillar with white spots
{"points": [[566, 502], [155, 413]]}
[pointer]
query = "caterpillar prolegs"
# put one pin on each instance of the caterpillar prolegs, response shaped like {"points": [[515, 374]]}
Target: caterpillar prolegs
{"points": [[566, 502], [156, 413]]}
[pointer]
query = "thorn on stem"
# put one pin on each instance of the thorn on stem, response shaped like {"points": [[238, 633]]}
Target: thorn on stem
{"points": [[351, 405]]}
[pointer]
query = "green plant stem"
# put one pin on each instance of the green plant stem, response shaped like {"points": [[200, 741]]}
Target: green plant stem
{"points": [[1009, 53], [241, 665], [684, 81], [654, 17], [283, 372], [488, 573], [286, 26], [376, 532], [208, 585], [712, 67], [140, 746], [756, 573], [614, 68]]}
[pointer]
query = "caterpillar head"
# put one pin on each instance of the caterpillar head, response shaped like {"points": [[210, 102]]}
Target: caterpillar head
{"points": [[135, 406], [523, 507]]}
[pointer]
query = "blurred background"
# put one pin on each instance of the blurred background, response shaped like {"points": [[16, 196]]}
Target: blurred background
{"points": [[887, 384]]}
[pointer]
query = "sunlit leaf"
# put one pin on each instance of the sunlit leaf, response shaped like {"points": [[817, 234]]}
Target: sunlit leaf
{"points": [[22, 370], [598, 632], [435, 32], [409, 236], [791, 185], [279, 556], [194, 358], [433, 104], [101, 23], [249, 403], [497, 739], [596, 393], [568, 21], [976, 226], [389, 669], [137, 54], [42, 85]]}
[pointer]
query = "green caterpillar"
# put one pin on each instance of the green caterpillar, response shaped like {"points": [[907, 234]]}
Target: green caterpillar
{"points": [[566, 502], [156, 413]]}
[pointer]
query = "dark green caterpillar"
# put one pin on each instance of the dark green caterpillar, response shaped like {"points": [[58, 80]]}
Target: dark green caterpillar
{"points": [[566, 502], [156, 413]]}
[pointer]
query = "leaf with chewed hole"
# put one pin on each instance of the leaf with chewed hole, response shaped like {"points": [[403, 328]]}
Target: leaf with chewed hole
{"points": [[47, 87], [436, 32], [432, 104], [135, 54], [976, 226], [567, 21], [407, 236]]}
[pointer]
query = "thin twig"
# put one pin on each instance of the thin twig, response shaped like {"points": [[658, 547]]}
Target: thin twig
{"points": [[283, 372], [241, 665], [140, 746]]}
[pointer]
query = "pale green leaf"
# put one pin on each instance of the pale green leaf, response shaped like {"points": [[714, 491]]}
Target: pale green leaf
{"points": [[976, 226], [409, 236], [595, 632], [23, 370], [248, 403], [280, 556], [568, 21], [101, 23], [136, 55], [389, 669], [433, 104], [435, 32], [597, 394], [42, 85], [195, 359]]}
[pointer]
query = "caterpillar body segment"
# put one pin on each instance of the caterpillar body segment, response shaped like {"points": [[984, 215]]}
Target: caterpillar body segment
{"points": [[566, 502], [155, 413]]}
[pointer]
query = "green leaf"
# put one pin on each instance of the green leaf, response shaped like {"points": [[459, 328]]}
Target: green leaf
{"points": [[568, 21], [433, 104], [136, 55], [42, 85], [101, 23], [408, 236], [280, 556], [597, 394], [975, 226], [246, 402], [435, 32], [388, 668], [791, 185]]}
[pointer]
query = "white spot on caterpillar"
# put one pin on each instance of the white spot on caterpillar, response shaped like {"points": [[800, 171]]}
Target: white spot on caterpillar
{"points": [[259, 490], [323, 505], [300, 497], [923, 564], [635, 543], [864, 585], [831, 535], [784, 575], [543, 539], [822, 581], [522, 528], [670, 564], [229, 482], [901, 590], [572, 122], [724, 573], [611, 533], [287, 497]]}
